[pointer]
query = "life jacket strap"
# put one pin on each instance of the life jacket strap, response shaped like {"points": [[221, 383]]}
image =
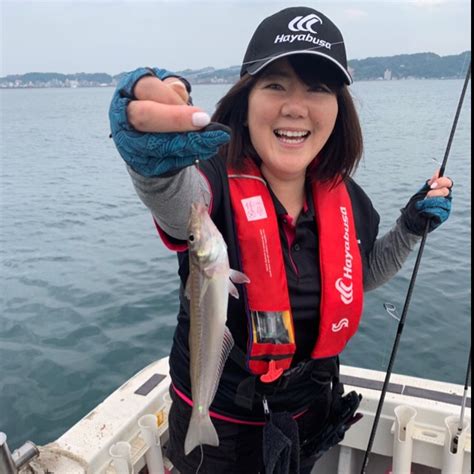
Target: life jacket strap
{"points": [[248, 391]]}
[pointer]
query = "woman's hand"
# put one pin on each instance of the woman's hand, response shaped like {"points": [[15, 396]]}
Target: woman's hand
{"points": [[155, 130], [431, 203], [162, 106]]}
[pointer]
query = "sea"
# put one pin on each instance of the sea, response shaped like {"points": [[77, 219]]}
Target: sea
{"points": [[89, 294]]}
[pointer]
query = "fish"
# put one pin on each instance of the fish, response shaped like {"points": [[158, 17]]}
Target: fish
{"points": [[210, 341]]}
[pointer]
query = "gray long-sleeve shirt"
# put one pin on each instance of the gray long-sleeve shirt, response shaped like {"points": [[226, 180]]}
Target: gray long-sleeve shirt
{"points": [[169, 200]]}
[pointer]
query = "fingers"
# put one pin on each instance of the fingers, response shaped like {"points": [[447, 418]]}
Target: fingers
{"points": [[150, 116], [163, 92], [161, 107], [177, 86], [434, 177], [439, 186]]}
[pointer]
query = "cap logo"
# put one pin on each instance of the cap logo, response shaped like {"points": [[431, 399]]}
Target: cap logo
{"points": [[304, 23], [303, 27]]}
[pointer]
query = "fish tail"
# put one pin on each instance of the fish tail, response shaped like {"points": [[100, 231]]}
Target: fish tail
{"points": [[200, 431]]}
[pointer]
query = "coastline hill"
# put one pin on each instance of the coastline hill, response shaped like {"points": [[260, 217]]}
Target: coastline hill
{"points": [[403, 66]]}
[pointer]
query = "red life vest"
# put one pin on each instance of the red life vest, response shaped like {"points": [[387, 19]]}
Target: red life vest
{"points": [[262, 261]]}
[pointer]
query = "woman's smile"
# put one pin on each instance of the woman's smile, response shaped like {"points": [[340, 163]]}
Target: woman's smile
{"points": [[291, 137]]}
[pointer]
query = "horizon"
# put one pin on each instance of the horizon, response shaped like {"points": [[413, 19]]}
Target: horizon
{"points": [[71, 36], [225, 67]]}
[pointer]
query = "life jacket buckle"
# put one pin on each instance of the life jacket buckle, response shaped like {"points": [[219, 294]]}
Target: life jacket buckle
{"points": [[273, 373]]}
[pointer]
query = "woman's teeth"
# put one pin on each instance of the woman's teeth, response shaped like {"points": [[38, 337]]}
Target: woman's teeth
{"points": [[290, 136]]}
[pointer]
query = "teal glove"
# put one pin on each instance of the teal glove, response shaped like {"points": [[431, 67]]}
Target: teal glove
{"points": [[156, 154], [421, 209]]}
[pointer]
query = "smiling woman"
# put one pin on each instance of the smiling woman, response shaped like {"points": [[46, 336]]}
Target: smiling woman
{"points": [[275, 174], [289, 122], [293, 121]]}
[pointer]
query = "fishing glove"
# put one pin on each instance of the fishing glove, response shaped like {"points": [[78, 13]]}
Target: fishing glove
{"points": [[421, 209], [157, 154]]}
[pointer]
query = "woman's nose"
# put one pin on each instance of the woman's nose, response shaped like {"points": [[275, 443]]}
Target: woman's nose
{"points": [[295, 105]]}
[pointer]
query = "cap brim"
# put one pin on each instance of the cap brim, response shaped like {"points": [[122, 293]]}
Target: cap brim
{"points": [[257, 66]]}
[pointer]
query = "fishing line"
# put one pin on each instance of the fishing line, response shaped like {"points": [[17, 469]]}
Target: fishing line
{"points": [[202, 459], [197, 164], [391, 310], [446, 118], [412, 284]]}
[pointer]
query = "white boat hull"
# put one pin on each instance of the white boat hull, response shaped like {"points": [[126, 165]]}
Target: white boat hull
{"points": [[422, 433]]}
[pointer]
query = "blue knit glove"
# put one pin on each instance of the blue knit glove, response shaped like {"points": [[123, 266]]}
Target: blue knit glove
{"points": [[156, 154], [421, 209]]}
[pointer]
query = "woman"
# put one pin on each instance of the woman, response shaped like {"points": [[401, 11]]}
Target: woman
{"points": [[274, 170]]}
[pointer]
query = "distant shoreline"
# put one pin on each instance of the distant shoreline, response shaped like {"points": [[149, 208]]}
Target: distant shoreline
{"points": [[111, 86], [417, 66]]}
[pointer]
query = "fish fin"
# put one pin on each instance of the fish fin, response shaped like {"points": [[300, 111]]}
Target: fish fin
{"points": [[238, 277], [214, 269], [233, 290], [200, 431], [227, 345]]}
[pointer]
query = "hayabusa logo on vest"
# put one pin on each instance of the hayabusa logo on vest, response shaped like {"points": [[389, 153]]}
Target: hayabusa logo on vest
{"points": [[343, 323], [303, 24], [344, 283], [345, 291]]}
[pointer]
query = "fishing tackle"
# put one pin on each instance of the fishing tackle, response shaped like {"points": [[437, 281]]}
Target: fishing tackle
{"points": [[411, 285]]}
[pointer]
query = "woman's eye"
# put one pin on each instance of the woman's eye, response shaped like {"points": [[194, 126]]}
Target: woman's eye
{"points": [[274, 86], [320, 88]]}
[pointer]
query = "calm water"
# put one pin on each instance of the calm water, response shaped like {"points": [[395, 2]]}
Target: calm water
{"points": [[88, 294]]}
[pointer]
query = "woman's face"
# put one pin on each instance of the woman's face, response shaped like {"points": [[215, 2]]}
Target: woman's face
{"points": [[289, 122]]}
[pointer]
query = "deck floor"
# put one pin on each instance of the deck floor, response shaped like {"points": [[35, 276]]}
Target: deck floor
{"points": [[330, 464]]}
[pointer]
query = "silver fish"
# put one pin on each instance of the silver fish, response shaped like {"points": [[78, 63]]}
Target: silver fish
{"points": [[210, 340]]}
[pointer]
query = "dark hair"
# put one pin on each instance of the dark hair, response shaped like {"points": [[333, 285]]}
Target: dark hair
{"points": [[343, 150]]}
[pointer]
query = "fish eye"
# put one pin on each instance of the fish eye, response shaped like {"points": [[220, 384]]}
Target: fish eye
{"points": [[191, 238]]}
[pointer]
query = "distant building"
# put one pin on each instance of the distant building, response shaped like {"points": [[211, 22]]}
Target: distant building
{"points": [[387, 75]]}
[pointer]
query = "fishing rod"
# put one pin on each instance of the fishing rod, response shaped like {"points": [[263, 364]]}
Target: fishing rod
{"points": [[412, 284], [455, 442]]}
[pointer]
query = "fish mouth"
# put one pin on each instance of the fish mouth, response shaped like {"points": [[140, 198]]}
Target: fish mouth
{"points": [[291, 136]]}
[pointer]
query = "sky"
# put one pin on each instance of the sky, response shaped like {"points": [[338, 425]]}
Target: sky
{"points": [[112, 36]]}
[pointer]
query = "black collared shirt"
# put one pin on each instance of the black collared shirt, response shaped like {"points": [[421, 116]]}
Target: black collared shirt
{"points": [[300, 247]]}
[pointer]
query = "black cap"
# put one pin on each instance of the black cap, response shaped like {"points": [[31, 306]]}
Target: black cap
{"points": [[295, 30]]}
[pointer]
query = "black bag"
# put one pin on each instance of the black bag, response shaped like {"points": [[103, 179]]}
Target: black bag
{"points": [[341, 417]]}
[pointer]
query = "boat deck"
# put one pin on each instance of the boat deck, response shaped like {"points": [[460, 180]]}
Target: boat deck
{"points": [[415, 429]]}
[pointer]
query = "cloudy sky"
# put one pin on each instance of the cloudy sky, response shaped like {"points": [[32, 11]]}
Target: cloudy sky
{"points": [[113, 36]]}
